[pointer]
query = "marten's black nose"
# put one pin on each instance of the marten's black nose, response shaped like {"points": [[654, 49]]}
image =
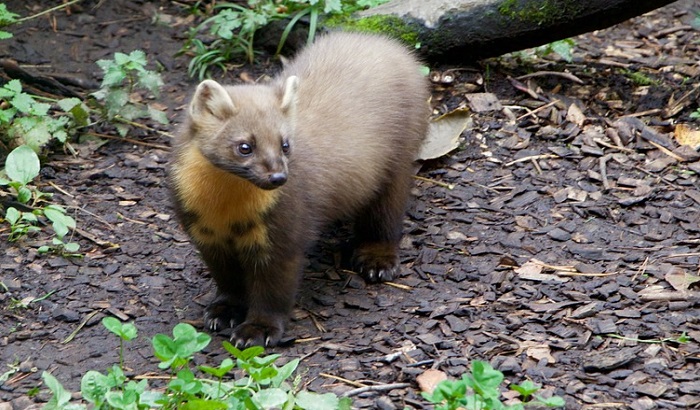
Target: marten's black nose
{"points": [[278, 178]]}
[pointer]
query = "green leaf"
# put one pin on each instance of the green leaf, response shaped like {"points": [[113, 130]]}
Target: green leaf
{"points": [[114, 75], [484, 379], [164, 348], [61, 222], [60, 396], [112, 324], [138, 57], [270, 398], [122, 129], [29, 217], [40, 109], [34, 131], [68, 104], [14, 86], [93, 387], [77, 109], [7, 17], [526, 388], [314, 401], [332, 6], [244, 355], [4, 35], [219, 372], [158, 115], [151, 81], [115, 100], [121, 58], [12, 215], [554, 401], [115, 376], [22, 165], [285, 372], [24, 194], [23, 102], [564, 48], [71, 247], [7, 115]]}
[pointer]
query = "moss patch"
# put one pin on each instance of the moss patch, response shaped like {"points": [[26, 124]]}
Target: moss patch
{"points": [[390, 25], [539, 11]]}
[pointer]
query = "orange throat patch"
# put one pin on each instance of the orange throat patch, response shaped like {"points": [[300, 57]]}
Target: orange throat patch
{"points": [[229, 209]]}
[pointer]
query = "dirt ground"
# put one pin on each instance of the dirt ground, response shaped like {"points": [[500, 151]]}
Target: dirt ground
{"points": [[560, 242]]}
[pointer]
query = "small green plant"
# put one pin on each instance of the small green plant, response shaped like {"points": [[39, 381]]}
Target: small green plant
{"points": [[24, 120], [233, 28], [126, 332], [124, 75], [639, 78], [479, 390], [22, 167], [564, 48], [263, 385], [695, 114], [6, 18]]}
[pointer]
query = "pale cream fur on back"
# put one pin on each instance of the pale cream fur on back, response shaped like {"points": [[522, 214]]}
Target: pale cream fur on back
{"points": [[361, 110]]}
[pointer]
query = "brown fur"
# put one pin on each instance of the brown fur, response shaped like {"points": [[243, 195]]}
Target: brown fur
{"points": [[352, 109]]}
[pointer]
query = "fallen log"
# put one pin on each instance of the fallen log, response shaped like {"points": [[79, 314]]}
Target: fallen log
{"points": [[459, 31]]}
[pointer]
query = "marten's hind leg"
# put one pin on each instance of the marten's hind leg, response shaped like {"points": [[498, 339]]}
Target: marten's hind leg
{"points": [[378, 232]]}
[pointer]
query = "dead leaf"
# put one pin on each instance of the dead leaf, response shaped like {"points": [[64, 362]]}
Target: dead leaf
{"points": [[575, 115], [484, 102], [537, 351], [444, 133], [686, 136], [679, 279], [429, 379], [532, 270], [529, 268]]}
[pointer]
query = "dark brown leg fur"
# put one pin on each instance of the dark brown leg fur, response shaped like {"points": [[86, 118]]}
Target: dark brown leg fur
{"points": [[257, 295], [229, 307], [271, 293], [378, 232]]}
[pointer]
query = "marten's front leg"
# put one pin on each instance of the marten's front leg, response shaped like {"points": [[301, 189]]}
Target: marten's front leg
{"points": [[230, 305], [271, 291]]}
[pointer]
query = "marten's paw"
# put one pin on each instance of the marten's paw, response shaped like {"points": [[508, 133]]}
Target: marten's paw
{"points": [[255, 334], [376, 262], [221, 314]]}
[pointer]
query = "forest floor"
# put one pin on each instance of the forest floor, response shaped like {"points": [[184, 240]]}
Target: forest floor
{"points": [[560, 242]]}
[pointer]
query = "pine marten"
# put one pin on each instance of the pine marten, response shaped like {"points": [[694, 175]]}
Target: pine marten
{"points": [[260, 169]]}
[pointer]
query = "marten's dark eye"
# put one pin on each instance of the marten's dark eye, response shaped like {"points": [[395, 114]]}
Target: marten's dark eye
{"points": [[285, 147], [245, 149]]}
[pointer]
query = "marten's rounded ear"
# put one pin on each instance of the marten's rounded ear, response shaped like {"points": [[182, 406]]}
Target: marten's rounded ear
{"points": [[211, 99], [289, 98]]}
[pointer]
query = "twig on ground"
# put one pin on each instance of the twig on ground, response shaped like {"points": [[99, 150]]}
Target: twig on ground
{"points": [[532, 157], [340, 379], [568, 76], [379, 387], [129, 140], [80, 326], [432, 181]]}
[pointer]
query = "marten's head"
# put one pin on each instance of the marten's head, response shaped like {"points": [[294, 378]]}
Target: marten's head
{"points": [[245, 129]]}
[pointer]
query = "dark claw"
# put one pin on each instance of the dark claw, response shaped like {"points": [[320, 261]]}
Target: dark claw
{"points": [[252, 334], [220, 313], [379, 274], [376, 266]]}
